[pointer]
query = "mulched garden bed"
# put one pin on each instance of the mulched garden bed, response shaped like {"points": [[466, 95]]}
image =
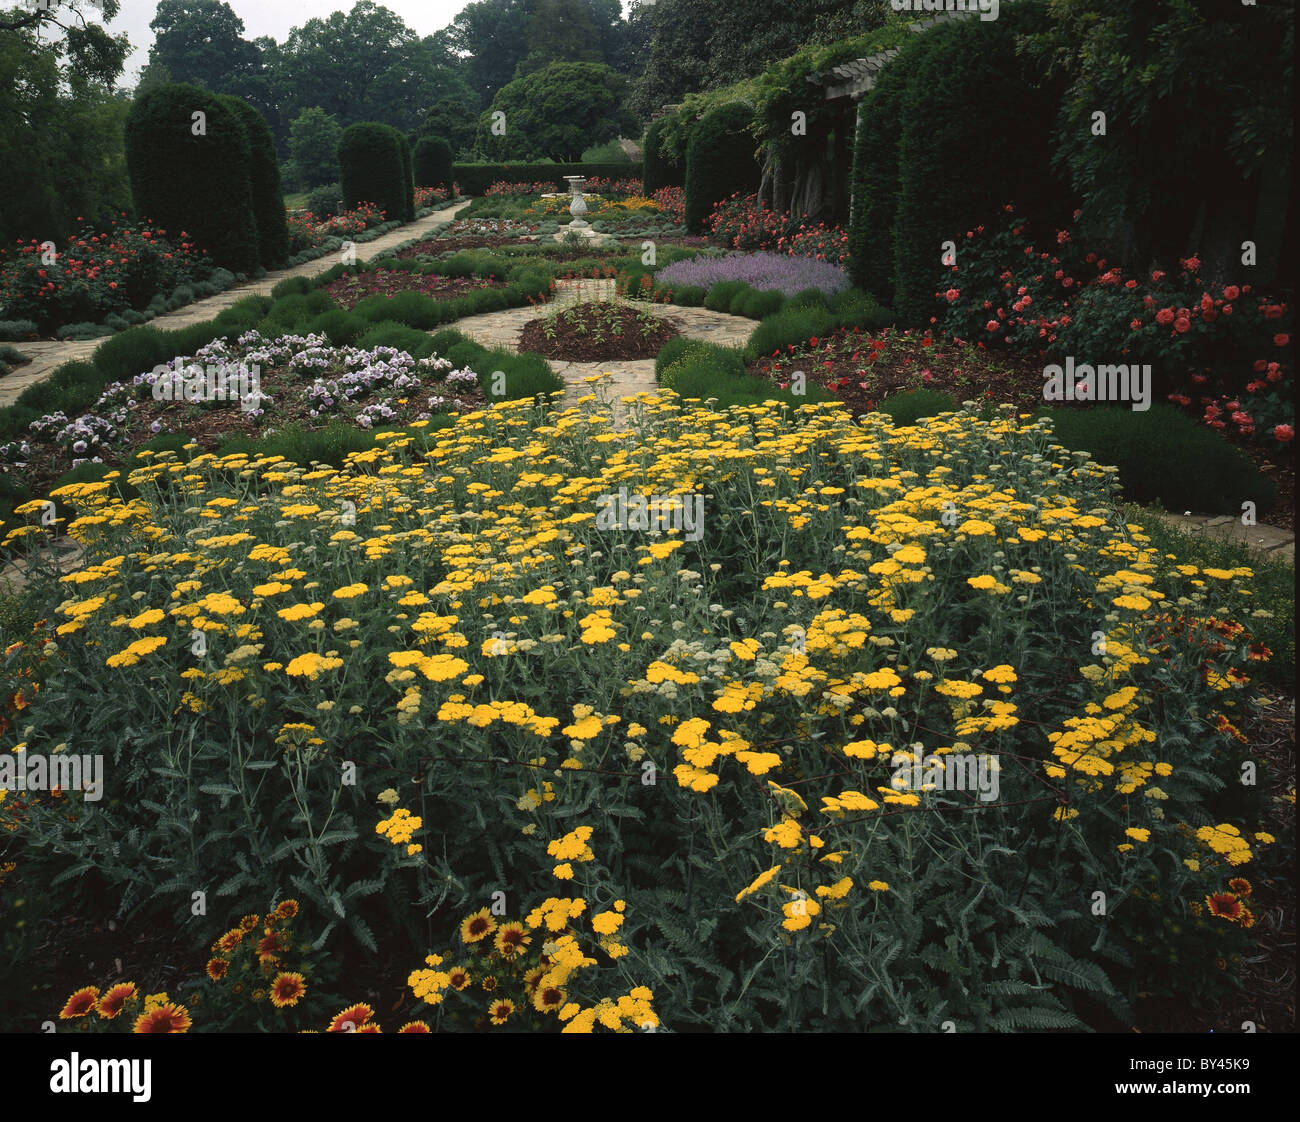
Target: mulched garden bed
{"points": [[597, 332], [861, 370], [290, 402], [454, 245], [348, 291]]}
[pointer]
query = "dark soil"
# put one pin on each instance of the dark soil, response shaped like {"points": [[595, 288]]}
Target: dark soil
{"points": [[455, 245], [597, 332], [348, 291]]}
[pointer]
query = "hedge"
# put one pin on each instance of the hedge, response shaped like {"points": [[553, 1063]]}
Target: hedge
{"points": [[197, 184], [371, 168], [408, 175], [875, 179], [953, 171], [719, 162], [657, 170], [433, 159], [474, 179], [264, 178]]}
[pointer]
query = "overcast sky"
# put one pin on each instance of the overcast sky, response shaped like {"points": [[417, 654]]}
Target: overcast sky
{"points": [[277, 18]]}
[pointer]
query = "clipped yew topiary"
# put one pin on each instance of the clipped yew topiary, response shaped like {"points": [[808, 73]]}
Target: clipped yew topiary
{"points": [[264, 177], [658, 171], [408, 175], [875, 180], [189, 158], [433, 157], [371, 168], [956, 163], [719, 161]]}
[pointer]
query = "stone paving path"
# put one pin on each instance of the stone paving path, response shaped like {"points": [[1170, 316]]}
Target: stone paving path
{"points": [[46, 356], [1270, 541], [627, 377]]}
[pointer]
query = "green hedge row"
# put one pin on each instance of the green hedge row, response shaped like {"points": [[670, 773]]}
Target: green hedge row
{"points": [[474, 179]]}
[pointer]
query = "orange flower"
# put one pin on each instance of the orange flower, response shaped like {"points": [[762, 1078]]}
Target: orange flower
{"points": [[80, 1003], [165, 1018], [1241, 886], [511, 940], [286, 989], [217, 968], [110, 1005], [229, 941], [414, 1026], [356, 1015], [500, 1010], [1226, 905], [287, 909], [458, 978], [478, 926]]}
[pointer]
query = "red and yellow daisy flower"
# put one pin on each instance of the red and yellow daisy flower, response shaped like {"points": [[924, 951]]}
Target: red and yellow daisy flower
{"points": [[532, 977], [370, 1027], [477, 927], [80, 1003], [511, 940], [287, 989], [356, 1015], [269, 948], [489, 983], [458, 978], [1247, 918], [287, 909], [249, 922], [499, 1011], [414, 1026], [217, 968], [548, 999], [1241, 886], [163, 1018], [115, 997], [229, 941], [1225, 905]]}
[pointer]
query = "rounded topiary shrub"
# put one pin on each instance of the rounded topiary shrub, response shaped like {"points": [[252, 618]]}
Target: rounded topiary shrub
{"points": [[657, 170], [191, 173], [719, 161], [264, 178], [1164, 456], [371, 168], [433, 158]]}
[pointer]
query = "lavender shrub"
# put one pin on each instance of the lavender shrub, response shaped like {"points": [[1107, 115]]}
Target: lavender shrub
{"points": [[761, 271]]}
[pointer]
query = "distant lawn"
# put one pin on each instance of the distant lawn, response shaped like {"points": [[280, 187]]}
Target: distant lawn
{"points": [[296, 202]]}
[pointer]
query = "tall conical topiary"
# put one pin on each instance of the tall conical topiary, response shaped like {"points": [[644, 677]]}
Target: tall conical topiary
{"points": [[720, 161], [433, 158], [188, 157], [264, 176], [371, 168]]}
